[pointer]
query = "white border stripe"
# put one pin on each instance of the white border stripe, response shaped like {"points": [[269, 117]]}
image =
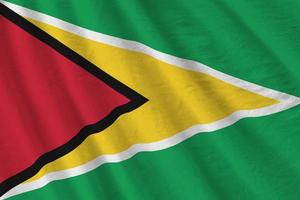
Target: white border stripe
{"points": [[139, 47], [286, 101], [133, 150]]}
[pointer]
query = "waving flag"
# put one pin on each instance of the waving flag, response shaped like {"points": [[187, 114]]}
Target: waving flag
{"points": [[88, 83]]}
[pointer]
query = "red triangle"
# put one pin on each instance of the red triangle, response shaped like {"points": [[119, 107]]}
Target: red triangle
{"points": [[45, 99]]}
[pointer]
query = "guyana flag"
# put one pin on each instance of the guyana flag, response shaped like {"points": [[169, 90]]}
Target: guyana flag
{"points": [[169, 99]]}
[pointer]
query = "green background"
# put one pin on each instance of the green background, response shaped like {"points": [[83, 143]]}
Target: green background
{"points": [[257, 41]]}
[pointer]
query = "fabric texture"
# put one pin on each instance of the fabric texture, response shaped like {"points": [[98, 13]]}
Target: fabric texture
{"points": [[222, 83]]}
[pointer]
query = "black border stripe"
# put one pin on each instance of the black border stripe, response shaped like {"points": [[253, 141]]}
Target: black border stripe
{"points": [[136, 100]]}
